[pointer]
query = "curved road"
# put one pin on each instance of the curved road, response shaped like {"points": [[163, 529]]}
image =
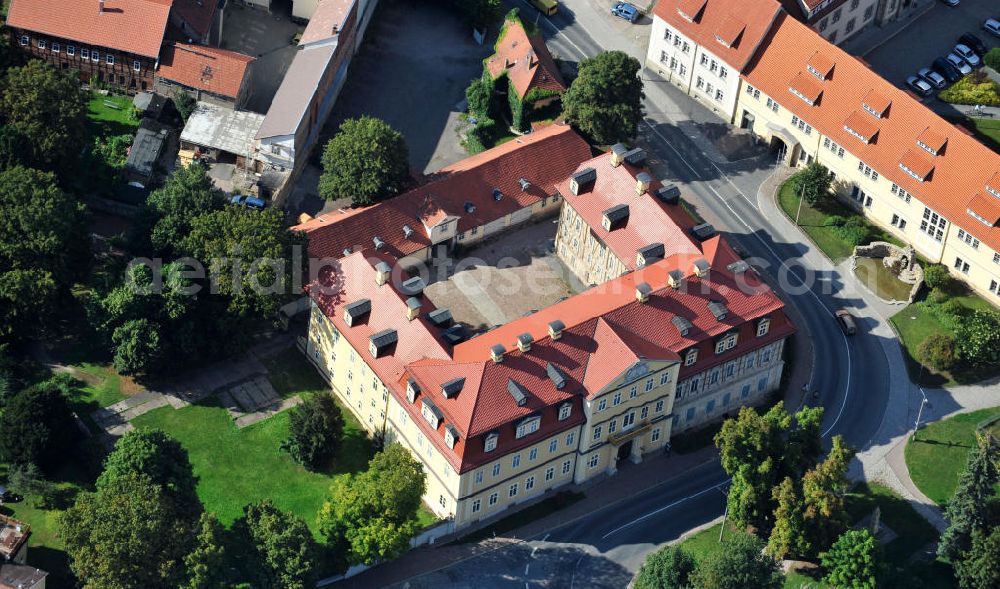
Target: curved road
{"points": [[606, 547]]}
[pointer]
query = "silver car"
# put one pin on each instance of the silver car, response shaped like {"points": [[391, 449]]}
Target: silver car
{"points": [[919, 86], [966, 53], [932, 77], [993, 26], [959, 64]]}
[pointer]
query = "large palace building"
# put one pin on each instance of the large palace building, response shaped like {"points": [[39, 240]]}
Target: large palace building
{"points": [[678, 331]]}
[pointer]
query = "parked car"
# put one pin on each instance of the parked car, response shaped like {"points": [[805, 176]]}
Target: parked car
{"points": [[248, 201], [946, 69], [7, 497], [919, 85], [933, 78], [951, 2], [846, 322], [975, 42], [546, 7], [959, 63], [992, 26], [966, 53], [626, 11]]}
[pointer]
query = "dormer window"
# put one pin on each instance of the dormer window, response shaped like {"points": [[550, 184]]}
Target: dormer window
{"points": [[993, 186], [806, 89], [431, 413], [926, 147], [861, 126], [450, 436], [490, 443], [819, 66], [815, 72], [763, 326], [916, 165], [691, 357], [565, 410], [412, 388], [528, 426], [726, 342], [931, 142], [875, 104]]}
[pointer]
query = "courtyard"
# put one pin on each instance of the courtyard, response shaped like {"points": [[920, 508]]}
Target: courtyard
{"points": [[503, 280]]}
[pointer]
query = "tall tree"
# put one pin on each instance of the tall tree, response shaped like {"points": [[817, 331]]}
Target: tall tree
{"points": [[966, 512], [823, 491], [853, 561], [742, 563], [129, 534], [284, 548], [978, 337], [187, 193], [372, 516], [49, 108], [204, 564], [137, 347], [812, 183], [37, 426], [605, 101], [751, 447], [979, 567], [314, 431], [154, 454], [365, 160], [805, 442], [668, 568], [43, 247], [788, 535], [250, 254]]}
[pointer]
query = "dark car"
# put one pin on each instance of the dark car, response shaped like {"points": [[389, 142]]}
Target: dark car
{"points": [[7, 497], [946, 69], [974, 42], [846, 322]]}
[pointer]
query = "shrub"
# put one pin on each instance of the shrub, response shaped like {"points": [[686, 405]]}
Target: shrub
{"points": [[992, 58], [854, 231], [315, 430], [937, 277], [954, 308], [938, 351], [937, 296], [972, 90], [668, 568], [854, 561]]}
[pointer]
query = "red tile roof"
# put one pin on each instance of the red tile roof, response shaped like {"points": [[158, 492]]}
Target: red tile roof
{"points": [[986, 206], [720, 19], [526, 60], [961, 171], [932, 139], [134, 26], [198, 14], [918, 161], [876, 101], [649, 221], [544, 158], [807, 85], [205, 68]]}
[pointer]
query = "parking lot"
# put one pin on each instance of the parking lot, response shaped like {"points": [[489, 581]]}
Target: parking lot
{"points": [[930, 36], [504, 279]]}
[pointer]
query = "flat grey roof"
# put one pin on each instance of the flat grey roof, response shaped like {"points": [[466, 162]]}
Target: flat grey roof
{"points": [[221, 128], [296, 91]]}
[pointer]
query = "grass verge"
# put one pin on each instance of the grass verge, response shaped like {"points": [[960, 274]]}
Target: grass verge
{"points": [[988, 131], [938, 454]]}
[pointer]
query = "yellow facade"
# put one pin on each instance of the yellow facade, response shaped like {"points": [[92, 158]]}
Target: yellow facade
{"points": [[583, 253]]}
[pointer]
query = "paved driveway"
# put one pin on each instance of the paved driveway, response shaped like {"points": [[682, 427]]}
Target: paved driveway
{"points": [[932, 35], [268, 37], [412, 71]]}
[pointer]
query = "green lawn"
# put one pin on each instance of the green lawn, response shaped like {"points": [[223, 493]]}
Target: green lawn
{"points": [[814, 219], [239, 466], [914, 534], [874, 275], [988, 131], [291, 374], [917, 321], [104, 120], [938, 454]]}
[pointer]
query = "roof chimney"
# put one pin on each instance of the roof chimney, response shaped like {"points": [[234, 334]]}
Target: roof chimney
{"points": [[618, 151], [413, 305], [524, 342], [674, 278], [496, 352], [382, 272], [525, 184], [642, 181], [642, 291], [701, 267], [100, 7], [580, 180], [556, 328], [379, 243]]}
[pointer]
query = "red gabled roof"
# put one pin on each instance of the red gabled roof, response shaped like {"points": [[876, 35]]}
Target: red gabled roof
{"points": [[134, 26], [544, 158], [526, 60], [198, 14], [649, 220], [745, 22], [961, 171], [205, 68]]}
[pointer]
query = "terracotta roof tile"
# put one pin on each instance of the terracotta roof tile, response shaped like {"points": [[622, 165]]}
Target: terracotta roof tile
{"points": [[729, 30], [960, 173], [198, 14], [544, 158], [526, 60], [649, 221], [986, 208], [720, 18], [206, 68], [134, 26], [993, 184], [876, 101], [820, 65]]}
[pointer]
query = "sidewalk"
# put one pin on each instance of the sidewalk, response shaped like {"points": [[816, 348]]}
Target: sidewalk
{"points": [[600, 494]]}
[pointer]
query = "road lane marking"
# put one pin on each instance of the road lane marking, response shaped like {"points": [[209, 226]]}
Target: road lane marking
{"points": [[664, 508]]}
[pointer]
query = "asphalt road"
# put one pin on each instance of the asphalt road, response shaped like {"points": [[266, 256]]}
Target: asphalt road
{"points": [[607, 547]]}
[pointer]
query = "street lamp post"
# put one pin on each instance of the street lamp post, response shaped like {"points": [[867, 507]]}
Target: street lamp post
{"points": [[920, 413], [725, 514], [802, 192]]}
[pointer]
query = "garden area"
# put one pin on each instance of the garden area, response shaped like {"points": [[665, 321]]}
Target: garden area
{"points": [[936, 457], [905, 559], [830, 224], [949, 334], [111, 125], [988, 131], [975, 88], [880, 280]]}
